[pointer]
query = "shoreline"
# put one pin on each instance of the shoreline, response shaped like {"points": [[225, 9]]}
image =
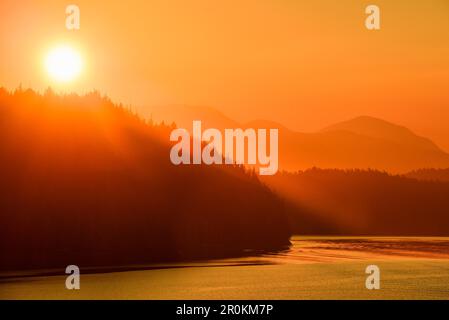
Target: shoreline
{"points": [[312, 249]]}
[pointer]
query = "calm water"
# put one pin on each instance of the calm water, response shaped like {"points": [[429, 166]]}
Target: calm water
{"points": [[314, 268]]}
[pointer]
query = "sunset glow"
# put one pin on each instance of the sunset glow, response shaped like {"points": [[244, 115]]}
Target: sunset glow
{"points": [[224, 156], [63, 64]]}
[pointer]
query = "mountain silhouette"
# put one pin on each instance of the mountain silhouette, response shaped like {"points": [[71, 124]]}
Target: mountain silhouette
{"points": [[381, 129], [183, 116], [362, 202], [363, 142], [87, 182]]}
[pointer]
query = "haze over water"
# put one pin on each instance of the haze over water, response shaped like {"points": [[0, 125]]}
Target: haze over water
{"points": [[313, 268]]}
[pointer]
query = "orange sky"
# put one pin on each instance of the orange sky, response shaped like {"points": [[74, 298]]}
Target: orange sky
{"points": [[306, 64]]}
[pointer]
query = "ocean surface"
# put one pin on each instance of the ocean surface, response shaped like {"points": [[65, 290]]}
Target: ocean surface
{"points": [[313, 268]]}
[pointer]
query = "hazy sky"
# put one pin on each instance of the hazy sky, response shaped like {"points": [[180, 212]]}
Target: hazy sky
{"points": [[305, 64]]}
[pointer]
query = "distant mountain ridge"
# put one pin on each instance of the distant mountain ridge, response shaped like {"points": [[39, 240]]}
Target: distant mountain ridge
{"points": [[363, 142], [184, 115], [377, 128]]}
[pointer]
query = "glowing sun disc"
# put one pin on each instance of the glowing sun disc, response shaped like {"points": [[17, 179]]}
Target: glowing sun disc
{"points": [[63, 63]]}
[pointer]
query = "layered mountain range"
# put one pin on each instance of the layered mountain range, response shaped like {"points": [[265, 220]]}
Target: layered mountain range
{"points": [[363, 142]]}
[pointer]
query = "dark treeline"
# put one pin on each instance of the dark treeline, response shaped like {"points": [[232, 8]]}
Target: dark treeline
{"points": [[363, 202], [430, 174], [87, 182]]}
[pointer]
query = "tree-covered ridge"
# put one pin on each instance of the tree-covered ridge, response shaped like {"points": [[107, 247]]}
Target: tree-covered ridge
{"points": [[363, 202], [88, 182]]}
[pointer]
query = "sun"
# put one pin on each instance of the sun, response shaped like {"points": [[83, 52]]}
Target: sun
{"points": [[63, 63]]}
